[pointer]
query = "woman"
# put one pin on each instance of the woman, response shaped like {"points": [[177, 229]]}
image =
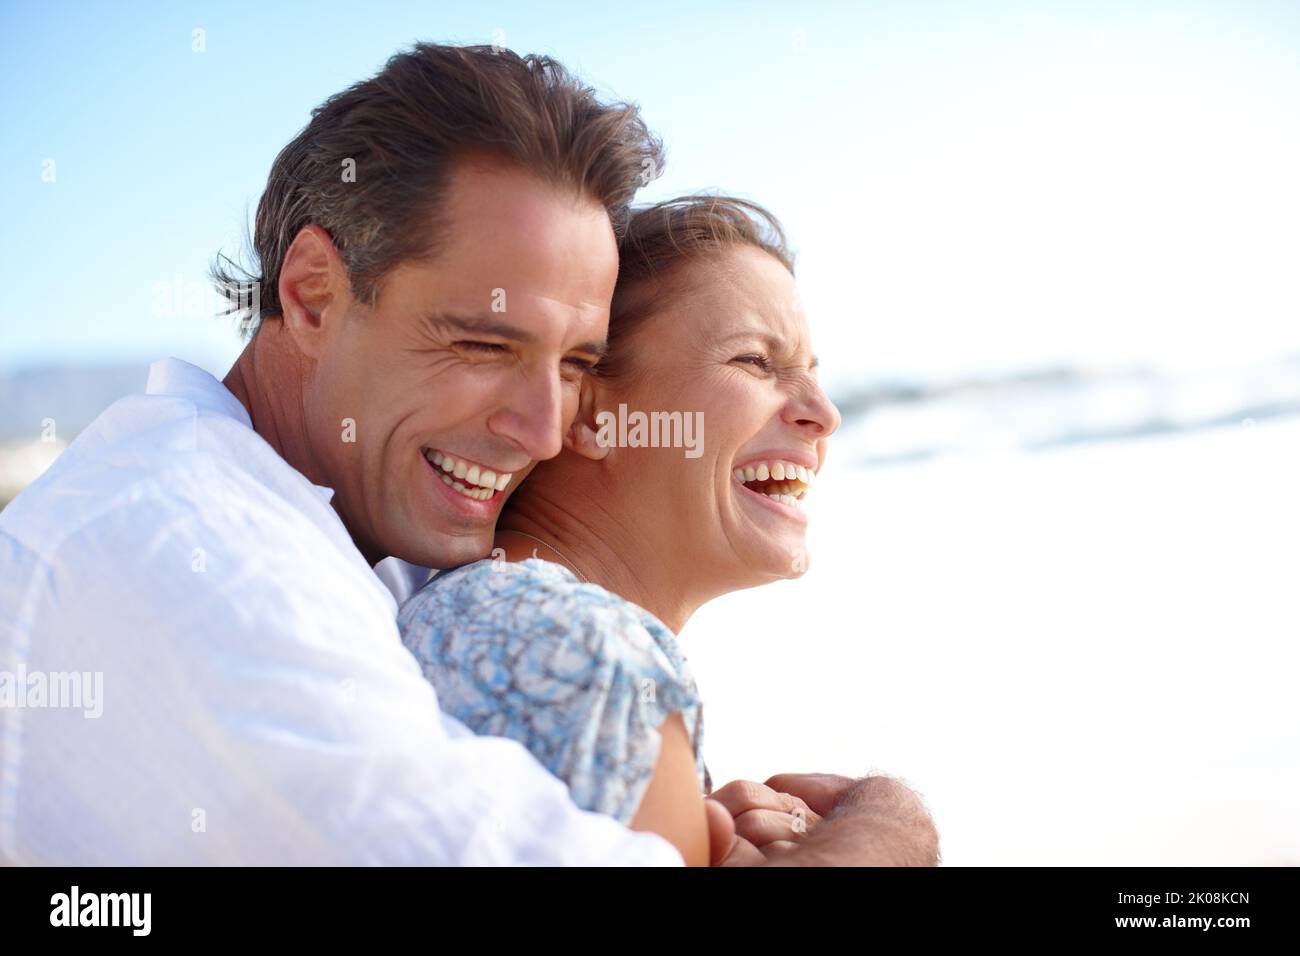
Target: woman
{"points": [[566, 639]]}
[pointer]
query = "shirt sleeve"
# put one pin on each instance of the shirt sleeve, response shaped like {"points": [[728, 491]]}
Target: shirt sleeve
{"points": [[569, 670], [256, 707]]}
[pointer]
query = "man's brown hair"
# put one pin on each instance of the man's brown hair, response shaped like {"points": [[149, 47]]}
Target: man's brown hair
{"points": [[660, 237], [400, 133]]}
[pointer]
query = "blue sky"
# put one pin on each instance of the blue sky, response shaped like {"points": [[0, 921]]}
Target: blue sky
{"points": [[971, 186]]}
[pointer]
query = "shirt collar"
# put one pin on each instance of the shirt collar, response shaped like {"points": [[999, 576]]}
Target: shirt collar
{"points": [[172, 376]]}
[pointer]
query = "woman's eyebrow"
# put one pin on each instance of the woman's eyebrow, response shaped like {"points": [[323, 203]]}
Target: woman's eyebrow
{"points": [[767, 338], [772, 343]]}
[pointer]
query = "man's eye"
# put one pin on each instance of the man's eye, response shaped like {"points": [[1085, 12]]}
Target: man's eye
{"points": [[577, 367], [759, 360], [485, 347]]}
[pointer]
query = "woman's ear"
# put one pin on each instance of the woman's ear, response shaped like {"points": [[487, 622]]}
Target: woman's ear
{"points": [[587, 435]]}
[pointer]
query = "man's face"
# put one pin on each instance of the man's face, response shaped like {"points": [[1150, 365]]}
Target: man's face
{"points": [[466, 370]]}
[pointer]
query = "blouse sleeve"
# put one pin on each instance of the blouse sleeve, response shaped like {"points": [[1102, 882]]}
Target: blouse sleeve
{"points": [[571, 671]]}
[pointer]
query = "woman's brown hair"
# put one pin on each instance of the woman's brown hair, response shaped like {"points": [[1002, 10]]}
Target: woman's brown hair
{"points": [[659, 237]]}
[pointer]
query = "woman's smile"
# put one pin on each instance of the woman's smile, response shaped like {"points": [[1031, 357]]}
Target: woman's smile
{"points": [[779, 478]]}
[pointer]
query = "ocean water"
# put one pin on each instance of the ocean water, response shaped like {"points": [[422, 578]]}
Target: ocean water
{"points": [[1087, 655]]}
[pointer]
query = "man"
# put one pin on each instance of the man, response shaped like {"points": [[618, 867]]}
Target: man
{"points": [[437, 256]]}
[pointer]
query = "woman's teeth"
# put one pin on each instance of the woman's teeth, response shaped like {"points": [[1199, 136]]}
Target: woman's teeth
{"points": [[774, 471], [470, 480], [782, 480]]}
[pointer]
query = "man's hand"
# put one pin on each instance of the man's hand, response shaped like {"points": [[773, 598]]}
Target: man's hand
{"points": [[819, 791], [826, 820]]}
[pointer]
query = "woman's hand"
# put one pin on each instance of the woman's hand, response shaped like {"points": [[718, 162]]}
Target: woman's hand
{"points": [[772, 817], [876, 821]]}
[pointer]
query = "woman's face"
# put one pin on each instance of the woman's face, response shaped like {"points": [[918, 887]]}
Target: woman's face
{"points": [[732, 343]]}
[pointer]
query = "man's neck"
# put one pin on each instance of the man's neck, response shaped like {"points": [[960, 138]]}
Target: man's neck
{"points": [[267, 379]]}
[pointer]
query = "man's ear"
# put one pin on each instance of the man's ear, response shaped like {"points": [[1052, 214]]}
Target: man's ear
{"points": [[586, 436], [313, 289]]}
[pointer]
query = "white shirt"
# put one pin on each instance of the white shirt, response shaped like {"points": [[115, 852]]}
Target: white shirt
{"points": [[255, 703]]}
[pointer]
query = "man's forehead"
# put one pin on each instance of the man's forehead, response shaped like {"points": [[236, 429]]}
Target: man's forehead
{"points": [[486, 196], [565, 266]]}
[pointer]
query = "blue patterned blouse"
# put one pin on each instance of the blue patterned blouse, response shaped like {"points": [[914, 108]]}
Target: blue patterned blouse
{"points": [[579, 676]]}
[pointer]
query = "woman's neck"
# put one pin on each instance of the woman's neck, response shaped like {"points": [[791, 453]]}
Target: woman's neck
{"points": [[600, 550]]}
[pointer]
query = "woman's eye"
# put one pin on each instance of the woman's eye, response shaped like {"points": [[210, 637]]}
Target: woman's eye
{"points": [[758, 360]]}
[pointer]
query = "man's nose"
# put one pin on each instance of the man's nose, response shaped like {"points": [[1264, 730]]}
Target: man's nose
{"points": [[532, 418]]}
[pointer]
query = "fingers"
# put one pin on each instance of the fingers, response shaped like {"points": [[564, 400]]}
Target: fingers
{"points": [[726, 847], [764, 827], [743, 853], [818, 791], [778, 849], [722, 831], [741, 796]]}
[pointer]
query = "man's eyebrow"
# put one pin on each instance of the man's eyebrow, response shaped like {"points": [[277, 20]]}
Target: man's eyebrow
{"points": [[483, 325], [477, 325]]}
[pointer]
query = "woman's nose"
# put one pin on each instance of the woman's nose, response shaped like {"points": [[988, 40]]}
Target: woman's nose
{"points": [[816, 412]]}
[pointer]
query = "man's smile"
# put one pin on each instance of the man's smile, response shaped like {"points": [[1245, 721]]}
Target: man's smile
{"points": [[474, 481]]}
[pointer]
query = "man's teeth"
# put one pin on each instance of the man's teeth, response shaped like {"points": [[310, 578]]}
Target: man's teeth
{"points": [[469, 479]]}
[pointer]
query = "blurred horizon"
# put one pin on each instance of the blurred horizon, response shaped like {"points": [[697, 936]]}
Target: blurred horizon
{"points": [[971, 188]]}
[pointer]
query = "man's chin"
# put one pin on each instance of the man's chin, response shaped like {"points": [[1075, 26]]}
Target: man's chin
{"points": [[441, 551]]}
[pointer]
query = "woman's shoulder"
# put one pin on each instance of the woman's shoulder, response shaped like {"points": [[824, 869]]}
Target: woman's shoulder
{"points": [[497, 578], [525, 600], [579, 675]]}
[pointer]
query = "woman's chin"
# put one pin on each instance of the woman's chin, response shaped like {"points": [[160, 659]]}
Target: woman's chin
{"points": [[775, 560], [775, 535]]}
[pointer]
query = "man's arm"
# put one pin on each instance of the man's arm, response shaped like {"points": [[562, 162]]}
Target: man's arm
{"points": [[828, 820], [258, 708]]}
